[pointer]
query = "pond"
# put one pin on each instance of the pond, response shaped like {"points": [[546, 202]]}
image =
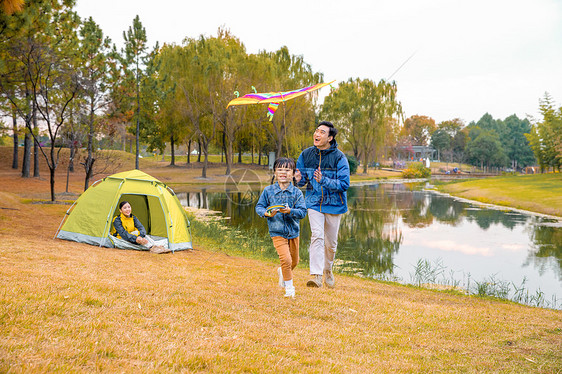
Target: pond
{"points": [[405, 233]]}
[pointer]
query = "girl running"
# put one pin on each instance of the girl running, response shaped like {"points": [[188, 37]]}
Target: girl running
{"points": [[283, 205]]}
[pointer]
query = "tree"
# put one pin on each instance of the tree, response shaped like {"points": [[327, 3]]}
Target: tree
{"points": [[516, 145], [95, 77], [419, 129], [47, 64], [366, 112], [441, 140], [545, 137], [486, 150], [20, 28], [134, 53]]}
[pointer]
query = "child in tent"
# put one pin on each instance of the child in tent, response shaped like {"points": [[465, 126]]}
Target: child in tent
{"points": [[128, 227], [283, 205]]}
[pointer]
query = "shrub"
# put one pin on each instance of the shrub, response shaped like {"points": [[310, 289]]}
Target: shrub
{"points": [[353, 164], [416, 170]]}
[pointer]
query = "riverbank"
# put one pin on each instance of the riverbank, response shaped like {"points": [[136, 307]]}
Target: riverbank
{"points": [[66, 306], [539, 193]]}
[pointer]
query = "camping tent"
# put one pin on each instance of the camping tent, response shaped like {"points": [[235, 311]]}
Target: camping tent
{"points": [[90, 218]]}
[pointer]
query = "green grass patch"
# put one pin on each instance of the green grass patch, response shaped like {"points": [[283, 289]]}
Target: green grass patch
{"points": [[537, 193]]}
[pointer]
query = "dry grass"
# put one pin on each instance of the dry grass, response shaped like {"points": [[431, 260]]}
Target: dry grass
{"points": [[66, 306]]}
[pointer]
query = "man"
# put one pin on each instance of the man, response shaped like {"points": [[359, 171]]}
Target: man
{"points": [[325, 171]]}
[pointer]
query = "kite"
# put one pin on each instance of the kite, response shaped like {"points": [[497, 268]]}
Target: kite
{"points": [[275, 207], [274, 98]]}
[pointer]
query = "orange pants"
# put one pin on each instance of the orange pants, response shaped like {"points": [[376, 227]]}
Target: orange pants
{"points": [[288, 251]]}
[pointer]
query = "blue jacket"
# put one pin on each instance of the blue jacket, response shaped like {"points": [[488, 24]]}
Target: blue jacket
{"points": [[328, 196], [285, 225]]}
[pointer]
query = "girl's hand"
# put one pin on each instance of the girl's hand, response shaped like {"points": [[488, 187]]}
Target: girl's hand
{"points": [[141, 240], [285, 210]]}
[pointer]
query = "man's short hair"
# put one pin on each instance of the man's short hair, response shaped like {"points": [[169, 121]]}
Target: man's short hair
{"points": [[333, 131]]}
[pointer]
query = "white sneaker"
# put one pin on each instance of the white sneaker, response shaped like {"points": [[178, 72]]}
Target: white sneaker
{"points": [[281, 281], [290, 292]]}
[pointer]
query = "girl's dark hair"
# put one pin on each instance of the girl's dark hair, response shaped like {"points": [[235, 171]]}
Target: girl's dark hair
{"points": [[122, 203], [284, 162], [333, 131]]}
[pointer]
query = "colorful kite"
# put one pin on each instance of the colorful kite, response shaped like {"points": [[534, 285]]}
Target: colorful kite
{"points": [[274, 98]]}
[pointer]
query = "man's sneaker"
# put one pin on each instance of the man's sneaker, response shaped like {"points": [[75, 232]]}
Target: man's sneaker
{"points": [[329, 279], [290, 292], [316, 281], [281, 281]]}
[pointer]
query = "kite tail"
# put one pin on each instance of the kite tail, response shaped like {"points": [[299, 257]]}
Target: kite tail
{"points": [[271, 110]]}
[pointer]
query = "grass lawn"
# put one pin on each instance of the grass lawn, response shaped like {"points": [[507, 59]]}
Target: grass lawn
{"points": [[70, 307], [541, 193]]}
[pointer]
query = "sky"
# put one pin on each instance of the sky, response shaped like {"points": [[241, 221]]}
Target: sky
{"points": [[449, 58]]}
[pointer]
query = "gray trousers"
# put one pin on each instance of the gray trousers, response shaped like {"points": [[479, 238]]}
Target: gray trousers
{"points": [[323, 241]]}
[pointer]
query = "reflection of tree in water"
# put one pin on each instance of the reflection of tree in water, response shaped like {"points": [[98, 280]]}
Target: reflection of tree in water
{"points": [[369, 235], [547, 250], [446, 210], [485, 218], [414, 208]]}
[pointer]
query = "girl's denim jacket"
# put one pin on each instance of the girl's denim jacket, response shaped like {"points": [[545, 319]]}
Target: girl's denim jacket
{"points": [[284, 225]]}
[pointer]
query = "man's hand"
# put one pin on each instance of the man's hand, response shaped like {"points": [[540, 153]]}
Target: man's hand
{"points": [[297, 175], [318, 175]]}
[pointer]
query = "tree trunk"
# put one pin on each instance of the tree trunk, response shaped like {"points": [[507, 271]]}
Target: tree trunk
{"points": [[229, 155], [89, 172], [137, 135], [205, 163], [223, 149], [239, 153], [199, 151], [89, 163], [26, 154], [52, 180], [35, 143], [16, 140], [259, 156], [188, 151], [172, 150], [72, 155]]}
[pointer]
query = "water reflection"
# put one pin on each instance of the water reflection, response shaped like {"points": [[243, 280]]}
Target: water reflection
{"points": [[389, 227]]}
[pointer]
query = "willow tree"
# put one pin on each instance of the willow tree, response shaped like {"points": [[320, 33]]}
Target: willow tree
{"points": [[368, 114], [285, 72], [227, 63], [185, 66]]}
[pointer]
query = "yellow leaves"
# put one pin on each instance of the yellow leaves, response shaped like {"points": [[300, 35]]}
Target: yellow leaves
{"points": [[11, 6]]}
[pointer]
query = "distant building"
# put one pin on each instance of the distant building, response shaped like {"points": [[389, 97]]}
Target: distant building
{"points": [[415, 152]]}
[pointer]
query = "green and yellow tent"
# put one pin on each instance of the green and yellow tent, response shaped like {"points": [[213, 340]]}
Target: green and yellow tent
{"points": [[90, 218]]}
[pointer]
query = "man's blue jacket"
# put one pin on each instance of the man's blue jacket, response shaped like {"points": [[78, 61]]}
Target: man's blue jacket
{"points": [[328, 196]]}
